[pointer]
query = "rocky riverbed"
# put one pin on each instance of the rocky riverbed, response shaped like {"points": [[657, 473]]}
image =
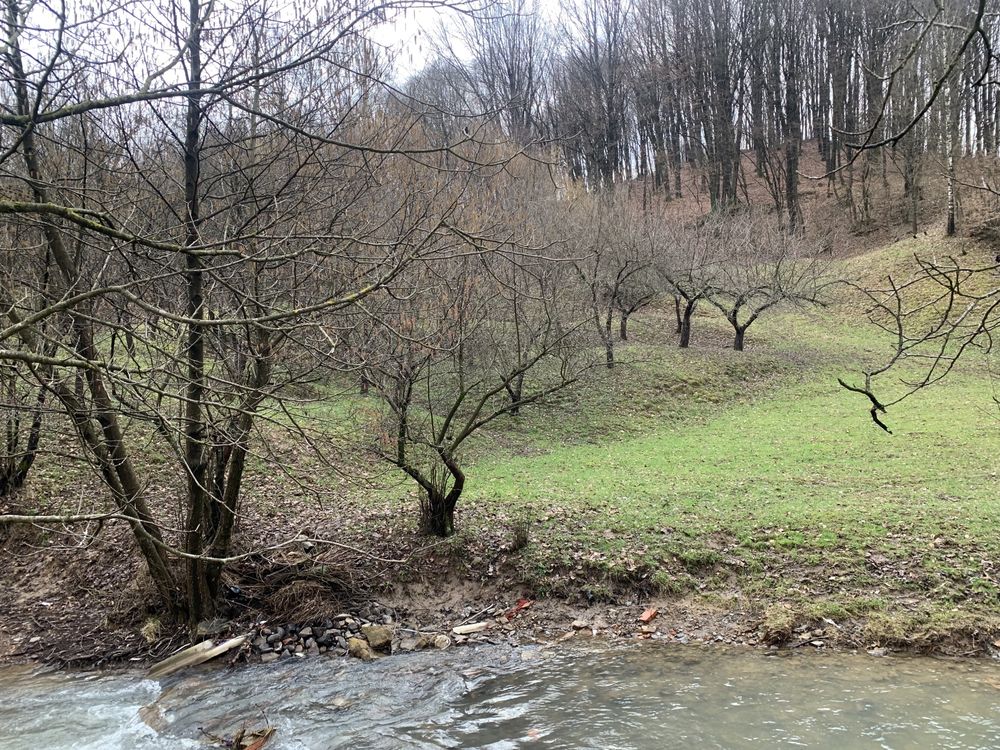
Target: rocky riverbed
{"points": [[373, 631], [377, 629]]}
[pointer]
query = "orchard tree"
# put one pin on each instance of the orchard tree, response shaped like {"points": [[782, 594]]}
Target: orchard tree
{"points": [[606, 243], [684, 257], [459, 345], [759, 266]]}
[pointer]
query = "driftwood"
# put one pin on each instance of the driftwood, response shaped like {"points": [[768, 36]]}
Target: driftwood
{"points": [[194, 655], [467, 629]]}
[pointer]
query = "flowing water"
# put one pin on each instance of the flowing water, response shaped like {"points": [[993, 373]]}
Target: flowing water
{"points": [[636, 697]]}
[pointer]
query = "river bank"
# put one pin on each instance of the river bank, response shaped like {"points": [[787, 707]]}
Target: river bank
{"points": [[48, 615]]}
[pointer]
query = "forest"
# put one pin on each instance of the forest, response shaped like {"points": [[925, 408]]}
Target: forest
{"points": [[263, 294]]}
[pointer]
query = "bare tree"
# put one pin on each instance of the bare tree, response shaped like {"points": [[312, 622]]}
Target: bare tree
{"points": [[222, 188], [936, 329], [605, 240], [684, 256], [460, 344], [759, 266]]}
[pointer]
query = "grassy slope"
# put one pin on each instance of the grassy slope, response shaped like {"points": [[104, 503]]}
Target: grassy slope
{"points": [[756, 476]]}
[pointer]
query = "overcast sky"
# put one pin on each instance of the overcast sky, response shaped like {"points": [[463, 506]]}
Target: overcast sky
{"points": [[410, 37]]}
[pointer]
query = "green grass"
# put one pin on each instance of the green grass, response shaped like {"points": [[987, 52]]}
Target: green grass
{"points": [[756, 473]]}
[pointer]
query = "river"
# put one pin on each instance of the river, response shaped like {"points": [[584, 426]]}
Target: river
{"points": [[643, 696]]}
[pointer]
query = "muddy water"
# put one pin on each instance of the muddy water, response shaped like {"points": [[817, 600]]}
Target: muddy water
{"points": [[639, 697]]}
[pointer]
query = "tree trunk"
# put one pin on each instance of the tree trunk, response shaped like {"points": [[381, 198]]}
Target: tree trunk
{"points": [[793, 140], [952, 126], [623, 327], [950, 228], [438, 517], [437, 512], [515, 388], [677, 314], [200, 604], [609, 338], [16, 471], [686, 324], [738, 338]]}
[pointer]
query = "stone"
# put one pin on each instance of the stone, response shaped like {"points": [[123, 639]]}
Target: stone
{"points": [[313, 650], [580, 625], [341, 642], [442, 641], [260, 643], [359, 649], [309, 643], [306, 632], [276, 635], [379, 636], [410, 644], [268, 657]]}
